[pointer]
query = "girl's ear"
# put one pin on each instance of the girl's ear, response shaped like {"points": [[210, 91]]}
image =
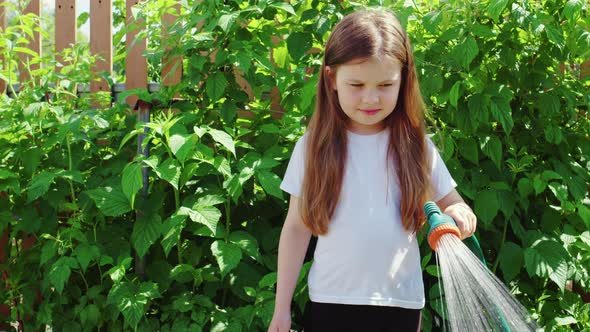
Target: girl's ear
{"points": [[331, 76]]}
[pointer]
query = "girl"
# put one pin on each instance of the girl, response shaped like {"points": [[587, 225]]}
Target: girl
{"points": [[358, 179]]}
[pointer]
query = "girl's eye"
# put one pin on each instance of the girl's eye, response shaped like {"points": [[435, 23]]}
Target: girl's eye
{"points": [[386, 85], [357, 85]]}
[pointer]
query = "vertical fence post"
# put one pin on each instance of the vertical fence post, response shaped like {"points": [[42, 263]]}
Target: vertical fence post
{"points": [[136, 77], [101, 32], [33, 7], [65, 27]]}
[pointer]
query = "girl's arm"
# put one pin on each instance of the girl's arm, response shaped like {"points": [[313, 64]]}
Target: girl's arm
{"points": [[293, 244], [454, 205]]}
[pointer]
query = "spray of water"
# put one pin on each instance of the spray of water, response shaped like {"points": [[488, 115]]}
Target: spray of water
{"points": [[476, 299]]}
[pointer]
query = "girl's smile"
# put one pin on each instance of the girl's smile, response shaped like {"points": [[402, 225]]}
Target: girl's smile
{"points": [[371, 111]]}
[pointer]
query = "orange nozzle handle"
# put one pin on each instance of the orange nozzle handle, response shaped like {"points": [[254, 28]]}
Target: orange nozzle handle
{"points": [[437, 232]]}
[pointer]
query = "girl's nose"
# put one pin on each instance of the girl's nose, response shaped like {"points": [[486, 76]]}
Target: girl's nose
{"points": [[371, 97]]}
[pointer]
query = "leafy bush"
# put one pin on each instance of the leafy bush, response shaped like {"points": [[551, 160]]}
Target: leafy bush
{"points": [[197, 246]]}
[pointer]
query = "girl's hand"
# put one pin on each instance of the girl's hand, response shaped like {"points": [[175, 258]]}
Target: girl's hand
{"points": [[464, 217], [281, 322]]}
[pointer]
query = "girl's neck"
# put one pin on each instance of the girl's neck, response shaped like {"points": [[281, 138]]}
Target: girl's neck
{"points": [[366, 130]]}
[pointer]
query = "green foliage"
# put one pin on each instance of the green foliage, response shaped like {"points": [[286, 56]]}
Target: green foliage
{"points": [[196, 248]]}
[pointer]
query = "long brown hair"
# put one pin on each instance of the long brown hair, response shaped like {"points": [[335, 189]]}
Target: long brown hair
{"points": [[365, 34]]}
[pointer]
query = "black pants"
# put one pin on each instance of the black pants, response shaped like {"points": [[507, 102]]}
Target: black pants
{"points": [[328, 317]]}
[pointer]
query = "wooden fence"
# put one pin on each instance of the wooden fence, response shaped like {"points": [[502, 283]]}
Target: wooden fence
{"points": [[101, 31]]}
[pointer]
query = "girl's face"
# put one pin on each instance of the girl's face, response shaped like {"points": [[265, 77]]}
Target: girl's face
{"points": [[367, 91]]}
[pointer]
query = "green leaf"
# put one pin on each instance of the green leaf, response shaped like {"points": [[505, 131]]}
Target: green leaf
{"points": [[182, 145], [215, 86], [577, 187], [298, 44], [132, 301], [549, 105], [226, 21], [511, 257], [469, 150], [6, 174], [183, 303], [507, 202], [559, 190], [454, 93], [224, 139], [432, 20], [548, 175], [60, 272], [246, 242], [111, 201], [117, 272], [90, 315], [131, 181], [492, 147], [182, 272], [547, 258], [169, 171], [555, 35], [562, 321], [210, 200], [171, 230], [39, 185], [486, 206], [501, 112], [228, 256], [539, 185], [466, 52], [202, 214], [495, 8], [268, 280], [584, 213], [270, 182], [129, 136], [146, 230], [284, 6], [572, 9], [85, 253], [280, 56], [308, 94], [553, 134], [48, 252], [233, 186]]}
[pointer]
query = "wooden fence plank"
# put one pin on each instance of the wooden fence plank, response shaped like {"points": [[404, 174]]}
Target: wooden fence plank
{"points": [[171, 64], [2, 27], [135, 62], [101, 44], [34, 7], [65, 24], [585, 69]]}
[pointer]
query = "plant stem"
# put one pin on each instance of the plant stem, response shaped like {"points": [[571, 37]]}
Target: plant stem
{"points": [[179, 243], [70, 169], [227, 209], [501, 245], [83, 279]]}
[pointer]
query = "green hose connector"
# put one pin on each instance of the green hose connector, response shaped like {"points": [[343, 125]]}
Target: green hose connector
{"points": [[441, 223]]}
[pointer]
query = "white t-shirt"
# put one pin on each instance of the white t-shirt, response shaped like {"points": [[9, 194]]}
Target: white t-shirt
{"points": [[367, 257]]}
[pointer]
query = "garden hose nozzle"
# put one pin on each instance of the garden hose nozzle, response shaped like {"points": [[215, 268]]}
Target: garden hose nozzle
{"points": [[440, 224]]}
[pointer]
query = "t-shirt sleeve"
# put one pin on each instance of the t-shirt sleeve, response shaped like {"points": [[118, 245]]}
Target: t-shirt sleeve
{"points": [[441, 180], [293, 179]]}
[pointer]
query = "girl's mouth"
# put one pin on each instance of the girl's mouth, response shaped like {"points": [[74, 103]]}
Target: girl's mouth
{"points": [[370, 112]]}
